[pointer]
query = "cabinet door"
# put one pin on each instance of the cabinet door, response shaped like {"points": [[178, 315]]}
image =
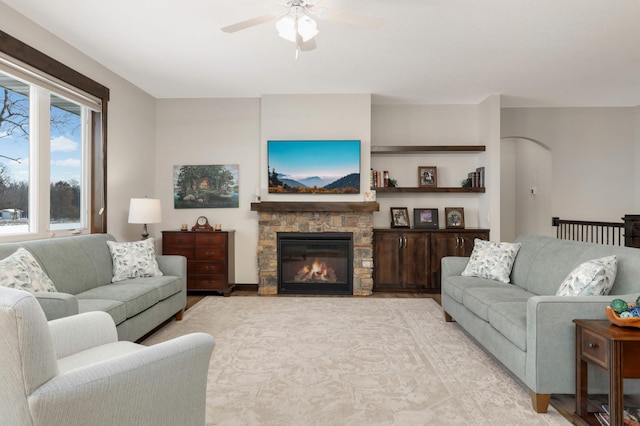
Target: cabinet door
{"points": [[387, 272], [467, 242], [442, 245], [415, 261]]}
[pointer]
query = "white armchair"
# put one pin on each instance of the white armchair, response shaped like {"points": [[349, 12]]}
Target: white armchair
{"points": [[74, 371]]}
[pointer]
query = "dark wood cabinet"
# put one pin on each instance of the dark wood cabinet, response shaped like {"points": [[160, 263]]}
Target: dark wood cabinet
{"points": [[210, 258], [399, 260], [447, 242], [409, 259]]}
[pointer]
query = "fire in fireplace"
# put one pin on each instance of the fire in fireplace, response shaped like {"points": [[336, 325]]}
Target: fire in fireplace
{"points": [[315, 263]]}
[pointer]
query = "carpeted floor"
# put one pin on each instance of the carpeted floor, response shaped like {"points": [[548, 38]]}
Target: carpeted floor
{"points": [[348, 361]]}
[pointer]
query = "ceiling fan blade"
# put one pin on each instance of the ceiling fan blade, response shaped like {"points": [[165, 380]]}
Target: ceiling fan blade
{"points": [[350, 18], [249, 23]]}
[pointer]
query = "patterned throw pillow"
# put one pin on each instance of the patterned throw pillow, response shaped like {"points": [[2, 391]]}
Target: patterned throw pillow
{"points": [[132, 260], [22, 271], [592, 278], [491, 260]]}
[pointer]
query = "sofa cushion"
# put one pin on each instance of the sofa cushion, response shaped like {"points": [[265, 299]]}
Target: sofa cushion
{"points": [[510, 319], [133, 259], [136, 297], [457, 285], [22, 271], [478, 300], [166, 286], [491, 260], [592, 278], [115, 308]]}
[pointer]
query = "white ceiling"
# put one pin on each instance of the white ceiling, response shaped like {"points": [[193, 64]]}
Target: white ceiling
{"points": [[533, 52]]}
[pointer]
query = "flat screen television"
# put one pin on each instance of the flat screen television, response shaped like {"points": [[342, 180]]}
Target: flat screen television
{"points": [[314, 166]]}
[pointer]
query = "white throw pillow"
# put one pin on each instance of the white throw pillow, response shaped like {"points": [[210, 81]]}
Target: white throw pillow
{"points": [[592, 278], [132, 260], [491, 260], [22, 271]]}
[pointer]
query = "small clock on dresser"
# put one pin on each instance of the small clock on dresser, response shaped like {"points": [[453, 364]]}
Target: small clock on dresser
{"points": [[202, 224]]}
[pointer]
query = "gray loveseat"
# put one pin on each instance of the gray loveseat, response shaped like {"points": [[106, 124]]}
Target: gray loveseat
{"points": [[81, 270], [524, 325]]}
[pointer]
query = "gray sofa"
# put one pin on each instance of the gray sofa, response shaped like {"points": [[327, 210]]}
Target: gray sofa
{"points": [[524, 325], [81, 270]]}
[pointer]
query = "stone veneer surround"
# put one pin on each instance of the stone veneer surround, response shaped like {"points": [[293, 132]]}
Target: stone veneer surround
{"points": [[357, 222]]}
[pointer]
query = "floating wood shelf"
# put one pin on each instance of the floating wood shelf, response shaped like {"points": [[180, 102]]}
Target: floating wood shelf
{"points": [[390, 149], [295, 206], [396, 190]]}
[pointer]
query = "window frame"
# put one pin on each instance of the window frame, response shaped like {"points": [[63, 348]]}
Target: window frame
{"points": [[26, 54]]}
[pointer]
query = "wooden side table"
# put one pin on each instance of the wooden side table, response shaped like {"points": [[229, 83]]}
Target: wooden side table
{"points": [[613, 349]]}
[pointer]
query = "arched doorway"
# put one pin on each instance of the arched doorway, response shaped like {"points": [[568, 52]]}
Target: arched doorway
{"points": [[525, 188]]}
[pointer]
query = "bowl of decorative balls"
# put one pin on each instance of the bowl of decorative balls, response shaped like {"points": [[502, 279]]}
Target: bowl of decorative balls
{"points": [[624, 314]]}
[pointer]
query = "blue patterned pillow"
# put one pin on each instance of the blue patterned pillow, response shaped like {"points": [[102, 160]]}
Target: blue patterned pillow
{"points": [[22, 271], [592, 278], [491, 260], [132, 260]]}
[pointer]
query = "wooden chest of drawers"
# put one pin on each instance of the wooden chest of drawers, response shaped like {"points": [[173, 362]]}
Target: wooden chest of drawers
{"points": [[210, 258]]}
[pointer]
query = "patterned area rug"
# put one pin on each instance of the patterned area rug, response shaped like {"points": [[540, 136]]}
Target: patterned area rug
{"points": [[349, 361]]}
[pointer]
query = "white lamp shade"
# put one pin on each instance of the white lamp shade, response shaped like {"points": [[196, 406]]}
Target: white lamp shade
{"points": [[307, 28], [287, 28], [145, 210]]}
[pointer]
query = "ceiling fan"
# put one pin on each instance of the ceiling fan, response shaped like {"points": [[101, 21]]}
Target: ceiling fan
{"points": [[297, 24]]}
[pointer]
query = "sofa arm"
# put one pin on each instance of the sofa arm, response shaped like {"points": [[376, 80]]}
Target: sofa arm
{"points": [[57, 305], [163, 384], [550, 365], [172, 265], [77, 333], [453, 265]]}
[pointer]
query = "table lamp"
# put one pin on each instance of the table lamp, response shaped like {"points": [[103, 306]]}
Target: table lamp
{"points": [[145, 210]]}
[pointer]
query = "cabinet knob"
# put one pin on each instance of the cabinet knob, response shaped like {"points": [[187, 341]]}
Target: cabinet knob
{"points": [[592, 345]]}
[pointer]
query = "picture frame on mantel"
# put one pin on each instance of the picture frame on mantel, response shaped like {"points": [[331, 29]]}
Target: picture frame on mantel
{"points": [[425, 218], [454, 217], [400, 217]]}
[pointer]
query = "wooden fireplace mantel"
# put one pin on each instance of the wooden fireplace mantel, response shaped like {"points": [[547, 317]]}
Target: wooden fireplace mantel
{"points": [[296, 206]]}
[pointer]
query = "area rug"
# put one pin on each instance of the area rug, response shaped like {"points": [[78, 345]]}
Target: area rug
{"points": [[349, 361]]}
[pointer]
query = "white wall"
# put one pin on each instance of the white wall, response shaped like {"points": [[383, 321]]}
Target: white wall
{"points": [[594, 158], [427, 125], [286, 117], [636, 195], [212, 131], [526, 168], [508, 190], [235, 131], [131, 128], [489, 135]]}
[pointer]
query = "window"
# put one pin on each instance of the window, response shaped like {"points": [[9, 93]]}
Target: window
{"points": [[52, 146]]}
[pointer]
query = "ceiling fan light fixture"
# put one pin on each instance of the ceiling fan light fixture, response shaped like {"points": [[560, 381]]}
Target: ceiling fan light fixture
{"points": [[286, 27], [290, 26], [307, 28]]}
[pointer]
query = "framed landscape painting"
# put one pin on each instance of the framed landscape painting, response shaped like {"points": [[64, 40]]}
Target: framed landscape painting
{"points": [[211, 186]]}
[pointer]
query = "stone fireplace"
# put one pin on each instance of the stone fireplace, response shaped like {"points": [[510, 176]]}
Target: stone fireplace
{"points": [[324, 217]]}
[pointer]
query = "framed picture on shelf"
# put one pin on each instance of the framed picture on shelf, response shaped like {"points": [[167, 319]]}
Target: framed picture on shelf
{"points": [[400, 217], [427, 176], [425, 218], [454, 217]]}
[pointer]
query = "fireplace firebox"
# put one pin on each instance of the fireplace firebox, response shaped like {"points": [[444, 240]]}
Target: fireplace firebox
{"points": [[315, 263]]}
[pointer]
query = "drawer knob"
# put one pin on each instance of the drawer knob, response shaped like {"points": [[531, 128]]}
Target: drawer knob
{"points": [[592, 345]]}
